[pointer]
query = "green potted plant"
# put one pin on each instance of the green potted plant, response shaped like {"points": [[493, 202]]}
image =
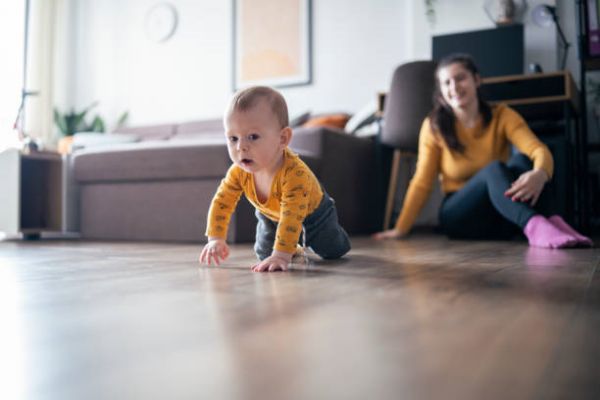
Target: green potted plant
{"points": [[71, 122]]}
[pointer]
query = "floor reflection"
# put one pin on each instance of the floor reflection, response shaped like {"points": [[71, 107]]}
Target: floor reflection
{"points": [[12, 352], [550, 258]]}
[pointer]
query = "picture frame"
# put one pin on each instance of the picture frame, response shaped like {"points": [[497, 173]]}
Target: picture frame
{"points": [[272, 43]]}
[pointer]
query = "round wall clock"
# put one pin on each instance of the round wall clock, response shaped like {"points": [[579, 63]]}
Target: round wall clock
{"points": [[160, 22]]}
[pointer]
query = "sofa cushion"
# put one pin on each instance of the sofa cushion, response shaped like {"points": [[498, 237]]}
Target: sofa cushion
{"points": [[194, 127], [212, 137], [152, 161], [311, 140], [211, 129], [151, 132], [94, 139]]}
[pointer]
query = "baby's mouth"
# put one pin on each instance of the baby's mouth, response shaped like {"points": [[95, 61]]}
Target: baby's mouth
{"points": [[246, 161]]}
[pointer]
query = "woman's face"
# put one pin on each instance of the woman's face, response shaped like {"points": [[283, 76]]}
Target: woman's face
{"points": [[458, 86]]}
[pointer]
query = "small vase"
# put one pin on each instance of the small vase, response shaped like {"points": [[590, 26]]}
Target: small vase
{"points": [[506, 12], [64, 145]]}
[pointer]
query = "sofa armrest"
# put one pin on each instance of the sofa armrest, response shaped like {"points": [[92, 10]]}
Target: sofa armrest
{"points": [[315, 139], [345, 166]]}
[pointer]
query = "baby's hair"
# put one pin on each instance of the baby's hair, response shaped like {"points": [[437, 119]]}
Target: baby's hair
{"points": [[245, 99]]}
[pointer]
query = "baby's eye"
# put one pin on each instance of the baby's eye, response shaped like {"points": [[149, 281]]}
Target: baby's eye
{"points": [[254, 136], [232, 139]]}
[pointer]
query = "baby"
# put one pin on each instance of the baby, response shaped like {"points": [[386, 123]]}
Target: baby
{"points": [[288, 198]]}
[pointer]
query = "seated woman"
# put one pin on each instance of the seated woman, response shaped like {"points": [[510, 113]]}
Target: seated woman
{"points": [[488, 193]]}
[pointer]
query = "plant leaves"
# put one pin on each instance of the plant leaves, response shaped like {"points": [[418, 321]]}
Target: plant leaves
{"points": [[72, 122], [97, 125], [123, 119], [60, 122]]}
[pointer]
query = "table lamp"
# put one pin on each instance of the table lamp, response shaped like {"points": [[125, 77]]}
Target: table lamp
{"points": [[544, 16]]}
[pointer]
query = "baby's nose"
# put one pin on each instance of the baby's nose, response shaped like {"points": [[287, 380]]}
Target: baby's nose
{"points": [[242, 145]]}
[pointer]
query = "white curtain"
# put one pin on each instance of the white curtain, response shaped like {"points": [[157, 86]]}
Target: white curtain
{"points": [[49, 29], [12, 26]]}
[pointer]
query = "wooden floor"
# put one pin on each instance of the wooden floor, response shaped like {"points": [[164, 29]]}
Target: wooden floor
{"points": [[424, 318]]}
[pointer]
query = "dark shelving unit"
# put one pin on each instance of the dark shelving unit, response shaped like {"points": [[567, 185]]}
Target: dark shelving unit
{"points": [[588, 62]]}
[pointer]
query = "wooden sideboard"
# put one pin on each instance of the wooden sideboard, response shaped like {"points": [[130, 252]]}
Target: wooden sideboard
{"points": [[534, 95]]}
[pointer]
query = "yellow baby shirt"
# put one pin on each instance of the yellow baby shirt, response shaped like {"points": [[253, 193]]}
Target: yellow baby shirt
{"points": [[295, 193]]}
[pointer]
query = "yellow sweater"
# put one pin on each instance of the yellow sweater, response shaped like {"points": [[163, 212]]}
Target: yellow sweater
{"points": [[482, 146], [295, 193]]}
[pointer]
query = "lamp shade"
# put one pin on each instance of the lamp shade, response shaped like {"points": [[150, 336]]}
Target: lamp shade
{"points": [[541, 15]]}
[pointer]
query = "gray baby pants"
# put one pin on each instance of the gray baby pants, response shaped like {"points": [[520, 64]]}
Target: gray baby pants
{"points": [[324, 235]]}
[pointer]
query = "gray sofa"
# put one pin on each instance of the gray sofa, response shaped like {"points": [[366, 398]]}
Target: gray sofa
{"points": [[159, 188]]}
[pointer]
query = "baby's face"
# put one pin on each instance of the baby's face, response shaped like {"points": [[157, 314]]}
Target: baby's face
{"points": [[255, 140]]}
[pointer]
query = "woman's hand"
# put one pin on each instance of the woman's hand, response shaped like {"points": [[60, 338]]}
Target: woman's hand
{"points": [[528, 186], [389, 234], [216, 250]]}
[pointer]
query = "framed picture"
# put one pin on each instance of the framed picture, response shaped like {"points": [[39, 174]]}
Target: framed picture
{"points": [[271, 43]]}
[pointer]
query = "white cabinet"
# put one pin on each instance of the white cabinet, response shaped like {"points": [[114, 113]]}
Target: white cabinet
{"points": [[32, 189]]}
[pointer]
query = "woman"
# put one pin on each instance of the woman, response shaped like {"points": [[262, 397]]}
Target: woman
{"points": [[488, 193]]}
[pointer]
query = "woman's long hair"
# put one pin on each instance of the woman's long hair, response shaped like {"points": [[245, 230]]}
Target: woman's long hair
{"points": [[441, 116]]}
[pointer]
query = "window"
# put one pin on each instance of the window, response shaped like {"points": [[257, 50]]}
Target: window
{"points": [[12, 26]]}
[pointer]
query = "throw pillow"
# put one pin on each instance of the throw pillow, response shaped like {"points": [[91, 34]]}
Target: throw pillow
{"points": [[329, 120], [299, 120], [94, 139], [363, 117]]}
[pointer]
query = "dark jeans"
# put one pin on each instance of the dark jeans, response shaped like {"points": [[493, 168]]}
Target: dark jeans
{"points": [[324, 235], [481, 211]]}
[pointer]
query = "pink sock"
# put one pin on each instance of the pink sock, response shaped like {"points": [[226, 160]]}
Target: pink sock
{"points": [[561, 224], [541, 233]]}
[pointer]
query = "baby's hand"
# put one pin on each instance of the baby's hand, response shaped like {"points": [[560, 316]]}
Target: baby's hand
{"points": [[277, 261], [389, 234], [215, 250]]}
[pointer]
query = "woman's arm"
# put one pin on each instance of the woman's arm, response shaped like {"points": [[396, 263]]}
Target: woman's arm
{"points": [[518, 133], [428, 165], [529, 185]]}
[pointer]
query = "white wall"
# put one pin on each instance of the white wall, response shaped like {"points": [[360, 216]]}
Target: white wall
{"points": [[11, 72], [355, 48], [567, 15], [466, 15], [187, 77], [356, 45]]}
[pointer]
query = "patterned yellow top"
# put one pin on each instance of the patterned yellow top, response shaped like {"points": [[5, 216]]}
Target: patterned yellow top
{"points": [[295, 193], [482, 146]]}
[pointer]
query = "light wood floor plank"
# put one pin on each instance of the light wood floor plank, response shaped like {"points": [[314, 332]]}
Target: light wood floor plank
{"points": [[421, 318]]}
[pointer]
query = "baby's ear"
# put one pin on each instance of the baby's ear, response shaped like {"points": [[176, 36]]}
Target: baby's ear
{"points": [[285, 136]]}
